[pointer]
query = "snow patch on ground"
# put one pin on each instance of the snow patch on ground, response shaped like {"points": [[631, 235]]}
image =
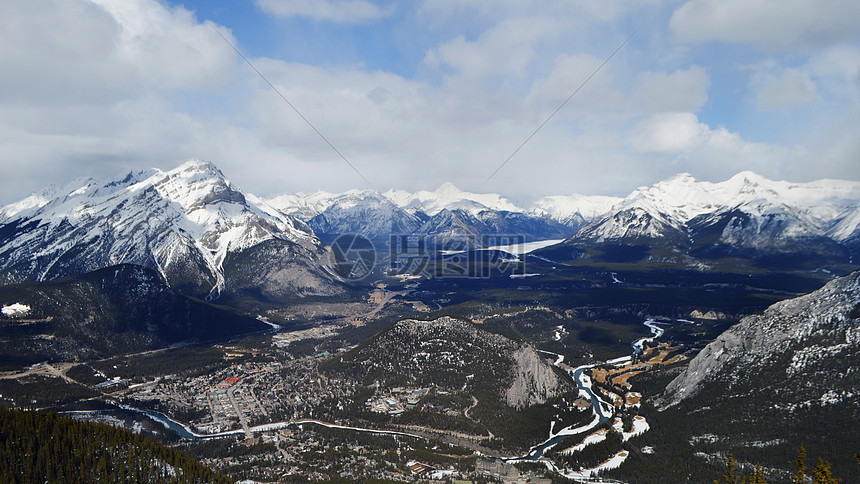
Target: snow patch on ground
{"points": [[16, 310], [640, 426], [612, 463], [594, 438]]}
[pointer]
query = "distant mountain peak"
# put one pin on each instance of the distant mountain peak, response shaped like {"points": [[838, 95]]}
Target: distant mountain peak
{"points": [[197, 164], [746, 211], [683, 177], [749, 177], [823, 209], [448, 188]]}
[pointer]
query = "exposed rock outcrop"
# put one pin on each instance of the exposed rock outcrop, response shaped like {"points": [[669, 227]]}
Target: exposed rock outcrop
{"points": [[534, 380], [812, 341]]}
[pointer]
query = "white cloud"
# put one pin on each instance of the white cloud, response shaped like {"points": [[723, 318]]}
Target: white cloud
{"points": [[837, 72], [569, 74], [505, 49], [682, 90], [86, 85], [96, 87], [788, 88], [670, 133], [338, 11], [82, 52], [572, 12], [713, 153], [168, 48], [770, 24]]}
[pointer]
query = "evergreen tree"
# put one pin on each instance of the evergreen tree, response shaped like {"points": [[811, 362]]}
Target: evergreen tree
{"points": [[758, 477], [729, 477], [800, 476], [39, 447], [822, 473]]}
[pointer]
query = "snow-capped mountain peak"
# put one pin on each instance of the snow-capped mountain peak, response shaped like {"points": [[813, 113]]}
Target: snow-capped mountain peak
{"points": [[449, 197], [753, 211], [574, 210], [183, 222], [748, 208]]}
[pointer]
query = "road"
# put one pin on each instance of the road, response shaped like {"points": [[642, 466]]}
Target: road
{"points": [[242, 419], [59, 373]]}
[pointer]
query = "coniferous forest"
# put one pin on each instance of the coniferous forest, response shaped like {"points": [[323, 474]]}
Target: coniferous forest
{"points": [[43, 447]]}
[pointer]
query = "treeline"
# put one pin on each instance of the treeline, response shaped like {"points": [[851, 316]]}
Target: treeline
{"points": [[43, 447], [821, 474], [39, 390]]}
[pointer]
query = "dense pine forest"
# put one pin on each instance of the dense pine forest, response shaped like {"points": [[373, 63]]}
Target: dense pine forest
{"points": [[44, 447]]}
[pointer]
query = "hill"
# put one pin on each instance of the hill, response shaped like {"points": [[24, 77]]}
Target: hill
{"points": [[779, 379], [120, 309], [44, 447], [452, 354]]}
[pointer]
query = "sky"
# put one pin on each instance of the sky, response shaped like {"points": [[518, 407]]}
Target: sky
{"points": [[416, 93]]}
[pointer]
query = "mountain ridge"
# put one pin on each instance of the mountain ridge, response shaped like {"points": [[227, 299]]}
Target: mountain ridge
{"points": [[185, 223], [785, 377], [746, 212]]}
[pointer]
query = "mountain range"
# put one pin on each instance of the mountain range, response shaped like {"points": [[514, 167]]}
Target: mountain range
{"points": [[746, 212], [446, 210], [209, 239], [741, 216]]}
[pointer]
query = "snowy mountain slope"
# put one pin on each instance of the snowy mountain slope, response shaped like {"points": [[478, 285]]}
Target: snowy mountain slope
{"points": [[574, 210], [747, 215], [570, 210], [746, 211], [778, 379], [184, 223], [449, 197], [816, 335], [478, 226], [367, 213], [306, 206], [444, 211]]}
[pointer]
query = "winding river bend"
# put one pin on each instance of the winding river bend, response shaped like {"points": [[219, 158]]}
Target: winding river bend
{"points": [[601, 409]]}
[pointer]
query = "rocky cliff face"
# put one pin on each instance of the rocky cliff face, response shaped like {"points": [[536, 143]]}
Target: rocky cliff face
{"points": [[534, 380], [786, 377], [810, 344]]}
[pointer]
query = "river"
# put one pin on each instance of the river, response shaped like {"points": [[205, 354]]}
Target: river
{"points": [[601, 409]]}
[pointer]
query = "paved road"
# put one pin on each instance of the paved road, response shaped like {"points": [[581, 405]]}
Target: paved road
{"points": [[242, 419]]}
